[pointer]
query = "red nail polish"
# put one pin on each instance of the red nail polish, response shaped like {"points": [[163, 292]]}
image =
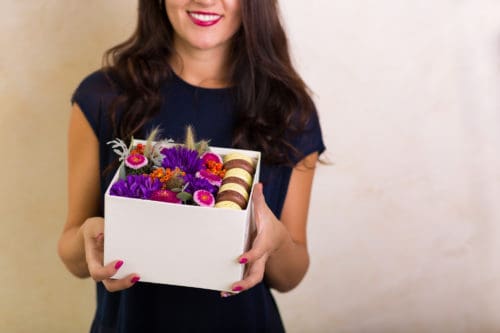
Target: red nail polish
{"points": [[135, 279], [238, 288], [243, 260], [118, 264]]}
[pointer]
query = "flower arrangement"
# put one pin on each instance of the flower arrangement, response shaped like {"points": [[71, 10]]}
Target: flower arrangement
{"points": [[188, 173]]}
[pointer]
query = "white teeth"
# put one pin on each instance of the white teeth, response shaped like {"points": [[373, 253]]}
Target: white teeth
{"points": [[204, 17]]}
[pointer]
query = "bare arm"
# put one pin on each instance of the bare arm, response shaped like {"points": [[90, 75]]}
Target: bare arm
{"points": [[81, 243], [83, 191], [287, 266]]}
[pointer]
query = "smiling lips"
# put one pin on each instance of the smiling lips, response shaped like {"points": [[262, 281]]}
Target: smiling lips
{"points": [[204, 19]]}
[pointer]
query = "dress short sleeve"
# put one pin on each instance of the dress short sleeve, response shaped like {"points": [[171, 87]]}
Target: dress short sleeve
{"points": [[276, 178], [93, 93], [310, 140]]}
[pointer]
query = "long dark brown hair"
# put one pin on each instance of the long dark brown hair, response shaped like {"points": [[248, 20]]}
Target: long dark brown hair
{"points": [[271, 101]]}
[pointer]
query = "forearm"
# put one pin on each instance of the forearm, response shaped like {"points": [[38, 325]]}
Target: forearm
{"points": [[287, 266], [71, 250]]}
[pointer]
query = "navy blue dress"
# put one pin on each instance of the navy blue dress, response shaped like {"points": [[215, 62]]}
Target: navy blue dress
{"points": [[149, 307]]}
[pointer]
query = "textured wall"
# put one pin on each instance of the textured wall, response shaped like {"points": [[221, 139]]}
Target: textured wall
{"points": [[404, 233], [47, 48], [404, 229]]}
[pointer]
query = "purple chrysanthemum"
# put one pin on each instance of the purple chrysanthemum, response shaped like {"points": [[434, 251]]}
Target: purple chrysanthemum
{"points": [[179, 157], [135, 186], [196, 184]]}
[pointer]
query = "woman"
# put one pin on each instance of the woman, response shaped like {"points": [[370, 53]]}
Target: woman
{"points": [[222, 66]]}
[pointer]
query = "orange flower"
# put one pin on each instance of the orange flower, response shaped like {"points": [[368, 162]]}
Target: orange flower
{"points": [[164, 175], [138, 150], [216, 168]]}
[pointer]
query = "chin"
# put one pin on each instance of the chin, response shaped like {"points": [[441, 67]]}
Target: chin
{"points": [[206, 45], [206, 41]]}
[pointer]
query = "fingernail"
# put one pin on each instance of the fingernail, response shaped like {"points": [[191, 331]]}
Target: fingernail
{"points": [[243, 260], [118, 264], [238, 288], [135, 279]]}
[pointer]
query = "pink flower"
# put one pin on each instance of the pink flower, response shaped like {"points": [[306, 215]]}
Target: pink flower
{"points": [[209, 156], [203, 198], [136, 161], [165, 196], [210, 177]]}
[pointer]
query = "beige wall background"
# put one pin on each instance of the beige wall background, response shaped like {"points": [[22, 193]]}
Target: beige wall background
{"points": [[404, 233]]}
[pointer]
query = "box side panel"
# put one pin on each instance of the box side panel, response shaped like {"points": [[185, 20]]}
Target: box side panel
{"points": [[175, 244]]}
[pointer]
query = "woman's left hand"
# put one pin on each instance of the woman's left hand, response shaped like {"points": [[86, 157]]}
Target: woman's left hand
{"points": [[270, 235]]}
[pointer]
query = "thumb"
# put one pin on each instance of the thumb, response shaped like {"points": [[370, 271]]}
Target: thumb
{"points": [[259, 201], [259, 205]]}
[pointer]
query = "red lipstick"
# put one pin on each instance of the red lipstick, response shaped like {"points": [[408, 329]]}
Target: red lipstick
{"points": [[204, 19]]}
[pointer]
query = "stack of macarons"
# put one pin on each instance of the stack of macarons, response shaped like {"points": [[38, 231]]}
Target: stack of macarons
{"points": [[237, 181]]}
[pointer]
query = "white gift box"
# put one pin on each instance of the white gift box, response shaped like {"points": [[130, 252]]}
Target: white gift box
{"points": [[178, 244]]}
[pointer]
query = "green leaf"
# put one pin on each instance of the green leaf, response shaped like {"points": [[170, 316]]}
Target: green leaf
{"points": [[122, 174], [184, 196]]}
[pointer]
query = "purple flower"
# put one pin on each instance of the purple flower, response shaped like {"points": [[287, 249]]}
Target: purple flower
{"points": [[135, 186], [196, 184], [179, 157]]}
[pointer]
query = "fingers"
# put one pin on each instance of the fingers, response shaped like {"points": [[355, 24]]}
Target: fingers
{"points": [[104, 273], [254, 254], [94, 249], [253, 276], [99, 272], [113, 285], [225, 294]]}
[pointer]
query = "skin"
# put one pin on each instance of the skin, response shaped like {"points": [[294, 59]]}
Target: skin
{"points": [[279, 250], [201, 51]]}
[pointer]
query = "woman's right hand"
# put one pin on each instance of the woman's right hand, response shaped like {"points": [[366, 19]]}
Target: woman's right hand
{"points": [[93, 237]]}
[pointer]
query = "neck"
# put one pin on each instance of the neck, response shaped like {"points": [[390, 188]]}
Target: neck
{"points": [[202, 68]]}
